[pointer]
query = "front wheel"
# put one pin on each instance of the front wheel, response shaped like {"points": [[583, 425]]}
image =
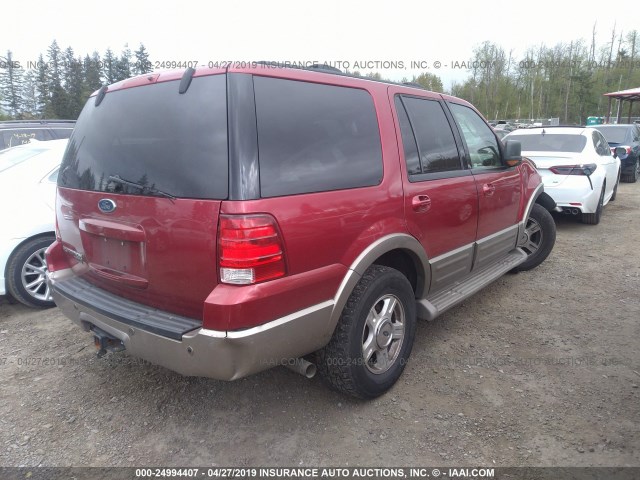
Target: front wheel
{"points": [[373, 339], [540, 232]]}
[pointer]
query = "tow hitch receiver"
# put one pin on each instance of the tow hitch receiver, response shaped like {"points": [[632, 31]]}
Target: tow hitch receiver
{"points": [[105, 342]]}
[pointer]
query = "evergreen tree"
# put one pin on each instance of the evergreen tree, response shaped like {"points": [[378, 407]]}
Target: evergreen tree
{"points": [[73, 85], [42, 88], [109, 67], [123, 64], [58, 96], [11, 86], [142, 64], [91, 71], [30, 107]]}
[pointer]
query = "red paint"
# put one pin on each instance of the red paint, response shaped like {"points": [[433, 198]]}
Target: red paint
{"points": [[164, 253]]}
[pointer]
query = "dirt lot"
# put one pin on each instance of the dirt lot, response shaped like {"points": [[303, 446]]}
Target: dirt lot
{"points": [[541, 368]]}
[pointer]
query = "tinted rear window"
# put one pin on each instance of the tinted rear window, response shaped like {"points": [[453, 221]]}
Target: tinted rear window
{"points": [[615, 134], [314, 137], [154, 136], [550, 142]]}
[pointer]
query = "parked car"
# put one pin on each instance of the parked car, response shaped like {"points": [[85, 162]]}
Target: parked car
{"points": [[626, 137], [222, 221], [28, 175], [576, 165], [18, 132]]}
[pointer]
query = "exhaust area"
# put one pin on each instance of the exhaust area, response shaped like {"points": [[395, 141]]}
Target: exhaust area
{"points": [[570, 211], [302, 367]]}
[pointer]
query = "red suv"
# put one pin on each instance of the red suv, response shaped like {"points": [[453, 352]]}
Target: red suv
{"points": [[219, 222]]}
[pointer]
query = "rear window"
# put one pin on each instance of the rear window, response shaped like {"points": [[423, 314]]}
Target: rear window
{"points": [[153, 136], [314, 137], [615, 134], [550, 142], [21, 136]]}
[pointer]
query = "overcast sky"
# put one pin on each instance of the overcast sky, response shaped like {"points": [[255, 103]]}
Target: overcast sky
{"points": [[328, 30]]}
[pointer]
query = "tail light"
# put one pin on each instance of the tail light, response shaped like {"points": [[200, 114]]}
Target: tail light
{"points": [[626, 149], [250, 249], [574, 169]]}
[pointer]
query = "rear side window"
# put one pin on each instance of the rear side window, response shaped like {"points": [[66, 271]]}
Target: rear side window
{"points": [[314, 137], [153, 136], [436, 144]]}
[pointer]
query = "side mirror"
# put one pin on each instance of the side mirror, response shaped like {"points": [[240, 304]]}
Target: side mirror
{"points": [[512, 153], [619, 152]]}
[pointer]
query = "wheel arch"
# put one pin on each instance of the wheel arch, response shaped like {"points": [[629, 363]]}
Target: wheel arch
{"points": [[17, 247], [400, 251]]}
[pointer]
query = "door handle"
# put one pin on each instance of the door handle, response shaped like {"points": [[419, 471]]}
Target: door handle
{"points": [[488, 189], [421, 203]]}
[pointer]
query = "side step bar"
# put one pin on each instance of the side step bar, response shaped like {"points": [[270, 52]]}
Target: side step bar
{"points": [[439, 302]]}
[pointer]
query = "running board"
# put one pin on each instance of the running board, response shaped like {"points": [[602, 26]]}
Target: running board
{"points": [[439, 302]]}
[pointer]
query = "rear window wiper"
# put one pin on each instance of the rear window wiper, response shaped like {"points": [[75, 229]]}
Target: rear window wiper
{"points": [[142, 187]]}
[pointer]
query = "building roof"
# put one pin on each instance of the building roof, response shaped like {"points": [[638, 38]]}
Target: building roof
{"points": [[632, 94]]}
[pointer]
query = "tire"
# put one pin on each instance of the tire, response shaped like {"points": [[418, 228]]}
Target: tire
{"points": [[541, 237], [615, 189], [633, 176], [26, 267], [594, 218], [343, 364]]}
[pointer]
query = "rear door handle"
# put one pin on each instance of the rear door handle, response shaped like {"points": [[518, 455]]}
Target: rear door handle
{"points": [[488, 189], [421, 203]]}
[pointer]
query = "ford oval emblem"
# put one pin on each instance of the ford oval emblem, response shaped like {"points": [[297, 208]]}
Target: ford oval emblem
{"points": [[106, 205]]}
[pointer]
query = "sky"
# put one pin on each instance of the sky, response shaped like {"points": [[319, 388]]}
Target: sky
{"points": [[343, 32]]}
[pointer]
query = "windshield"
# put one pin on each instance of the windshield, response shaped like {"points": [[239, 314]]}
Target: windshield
{"points": [[614, 134], [550, 142], [16, 155], [155, 137]]}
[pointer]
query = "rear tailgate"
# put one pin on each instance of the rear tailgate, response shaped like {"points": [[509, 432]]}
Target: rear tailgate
{"points": [[140, 189]]}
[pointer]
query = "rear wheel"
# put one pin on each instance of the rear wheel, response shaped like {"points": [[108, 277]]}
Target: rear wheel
{"points": [[615, 189], [594, 218], [26, 273], [540, 231], [633, 176], [373, 339]]}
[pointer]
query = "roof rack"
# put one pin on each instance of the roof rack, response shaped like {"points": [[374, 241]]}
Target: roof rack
{"points": [[413, 84], [323, 68]]}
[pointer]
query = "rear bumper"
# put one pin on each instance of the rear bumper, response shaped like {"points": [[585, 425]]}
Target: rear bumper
{"points": [[576, 192], [223, 355]]}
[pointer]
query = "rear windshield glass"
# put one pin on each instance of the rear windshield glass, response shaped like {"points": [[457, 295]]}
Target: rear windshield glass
{"points": [[614, 134], [155, 137], [550, 142], [314, 137]]}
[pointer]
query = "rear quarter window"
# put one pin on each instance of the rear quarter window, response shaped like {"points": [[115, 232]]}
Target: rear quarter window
{"points": [[314, 137]]}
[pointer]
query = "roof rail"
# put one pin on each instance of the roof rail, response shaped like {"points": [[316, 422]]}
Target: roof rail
{"points": [[413, 84]]}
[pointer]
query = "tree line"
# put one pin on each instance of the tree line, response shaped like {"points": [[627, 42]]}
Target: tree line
{"points": [[58, 84], [567, 80]]}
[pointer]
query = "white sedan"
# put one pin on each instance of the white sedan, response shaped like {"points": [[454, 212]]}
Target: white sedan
{"points": [[28, 175], [576, 165]]}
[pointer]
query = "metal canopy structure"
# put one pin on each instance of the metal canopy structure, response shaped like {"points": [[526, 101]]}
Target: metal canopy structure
{"points": [[631, 95]]}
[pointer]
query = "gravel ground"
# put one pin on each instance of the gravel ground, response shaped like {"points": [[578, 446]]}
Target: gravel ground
{"points": [[541, 368]]}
